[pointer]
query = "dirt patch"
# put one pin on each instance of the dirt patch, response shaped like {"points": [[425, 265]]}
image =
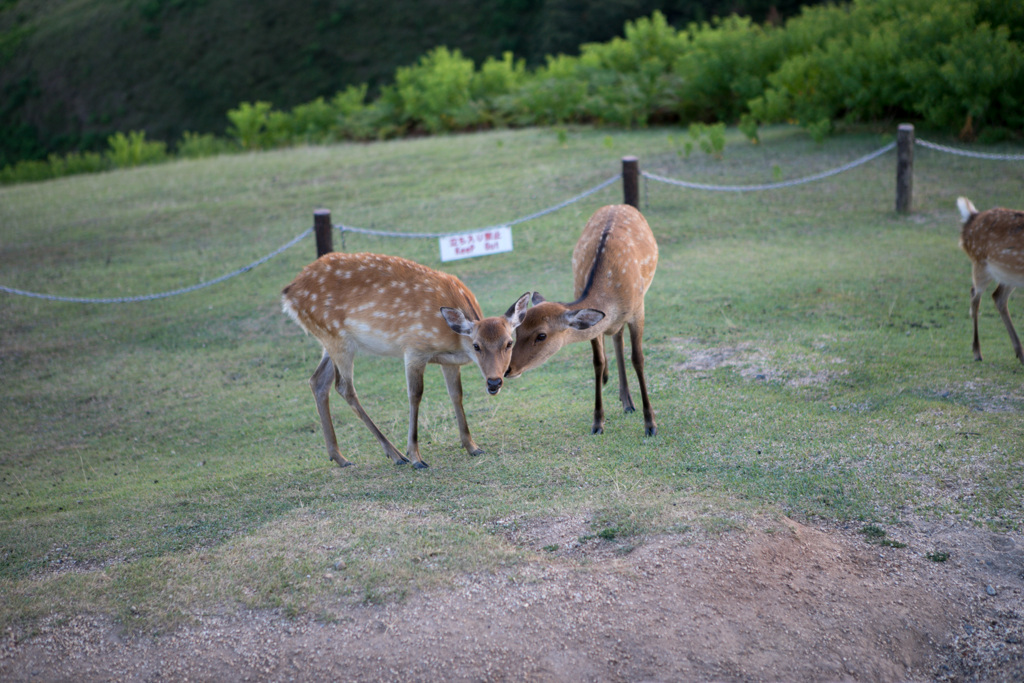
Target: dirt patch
{"points": [[777, 602], [753, 363]]}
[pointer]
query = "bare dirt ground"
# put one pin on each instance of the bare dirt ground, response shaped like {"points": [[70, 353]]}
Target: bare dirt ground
{"points": [[779, 601]]}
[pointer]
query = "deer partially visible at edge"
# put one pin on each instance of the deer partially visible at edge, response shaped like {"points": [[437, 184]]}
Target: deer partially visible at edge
{"points": [[613, 265], [994, 241], [390, 306]]}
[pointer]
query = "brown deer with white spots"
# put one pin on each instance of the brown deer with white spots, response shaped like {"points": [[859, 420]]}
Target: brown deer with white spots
{"points": [[390, 306], [613, 265], [994, 241]]}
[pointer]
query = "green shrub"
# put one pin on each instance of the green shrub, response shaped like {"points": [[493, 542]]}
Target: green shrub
{"points": [[554, 95], [633, 78], [26, 171], [929, 59], [200, 145], [75, 163], [131, 150], [249, 124], [434, 93], [726, 64], [354, 118]]}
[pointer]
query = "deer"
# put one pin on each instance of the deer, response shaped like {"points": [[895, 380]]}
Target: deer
{"points": [[390, 306], [994, 241], [613, 265]]}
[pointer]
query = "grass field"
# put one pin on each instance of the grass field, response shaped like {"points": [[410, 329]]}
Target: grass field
{"points": [[808, 352]]}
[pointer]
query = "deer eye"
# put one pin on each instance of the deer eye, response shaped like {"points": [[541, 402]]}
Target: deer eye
{"points": [[541, 336], [476, 347], [509, 345]]}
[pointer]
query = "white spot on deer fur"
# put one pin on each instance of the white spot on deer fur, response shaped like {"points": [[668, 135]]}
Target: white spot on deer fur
{"points": [[313, 296], [336, 324]]}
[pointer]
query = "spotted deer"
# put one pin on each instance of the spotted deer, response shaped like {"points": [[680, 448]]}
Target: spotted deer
{"points": [[389, 306], [613, 265], [994, 241]]}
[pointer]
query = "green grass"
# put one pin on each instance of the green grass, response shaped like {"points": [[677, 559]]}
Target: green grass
{"points": [[160, 460]]}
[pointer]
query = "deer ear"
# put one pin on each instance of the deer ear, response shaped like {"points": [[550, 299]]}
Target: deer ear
{"points": [[538, 299], [584, 318], [456, 320], [517, 311], [966, 207]]}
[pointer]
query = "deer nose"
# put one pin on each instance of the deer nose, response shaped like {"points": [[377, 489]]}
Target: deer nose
{"points": [[493, 385]]}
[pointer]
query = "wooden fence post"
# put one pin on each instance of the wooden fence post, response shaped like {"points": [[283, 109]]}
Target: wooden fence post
{"points": [[323, 229], [631, 181], [904, 167]]}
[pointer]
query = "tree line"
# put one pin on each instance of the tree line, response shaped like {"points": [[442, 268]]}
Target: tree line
{"points": [[956, 67]]}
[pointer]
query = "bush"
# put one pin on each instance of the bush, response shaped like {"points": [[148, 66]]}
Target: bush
{"points": [[134, 150], [727, 63], [633, 78], [75, 163], [915, 58], [26, 171], [200, 145], [434, 94], [249, 124], [554, 95]]}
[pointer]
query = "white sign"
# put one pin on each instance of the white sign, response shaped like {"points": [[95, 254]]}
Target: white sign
{"points": [[481, 243]]}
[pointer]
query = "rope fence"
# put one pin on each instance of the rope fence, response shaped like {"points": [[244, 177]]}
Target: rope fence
{"points": [[323, 228], [974, 155], [436, 235], [161, 295], [773, 186]]}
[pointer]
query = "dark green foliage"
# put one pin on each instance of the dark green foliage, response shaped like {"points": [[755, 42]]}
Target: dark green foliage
{"points": [[85, 70], [947, 64], [955, 67]]}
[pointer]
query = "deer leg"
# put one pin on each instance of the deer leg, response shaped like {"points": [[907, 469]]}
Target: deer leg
{"points": [[414, 382], [979, 280], [453, 381], [320, 383], [343, 363], [1001, 296], [600, 376], [620, 358], [975, 305], [636, 343]]}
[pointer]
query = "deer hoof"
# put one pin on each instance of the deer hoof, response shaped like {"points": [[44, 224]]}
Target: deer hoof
{"points": [[651, 431], [420, 465]]}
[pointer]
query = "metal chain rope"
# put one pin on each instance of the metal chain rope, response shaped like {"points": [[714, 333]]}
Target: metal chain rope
{"points": [[517, 221], [773, 186], [161, 295], [965, 153]]}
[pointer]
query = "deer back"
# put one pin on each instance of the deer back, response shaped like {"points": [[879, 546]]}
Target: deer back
{"points": [[995, 239], [386, 305], [614, 261]]}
